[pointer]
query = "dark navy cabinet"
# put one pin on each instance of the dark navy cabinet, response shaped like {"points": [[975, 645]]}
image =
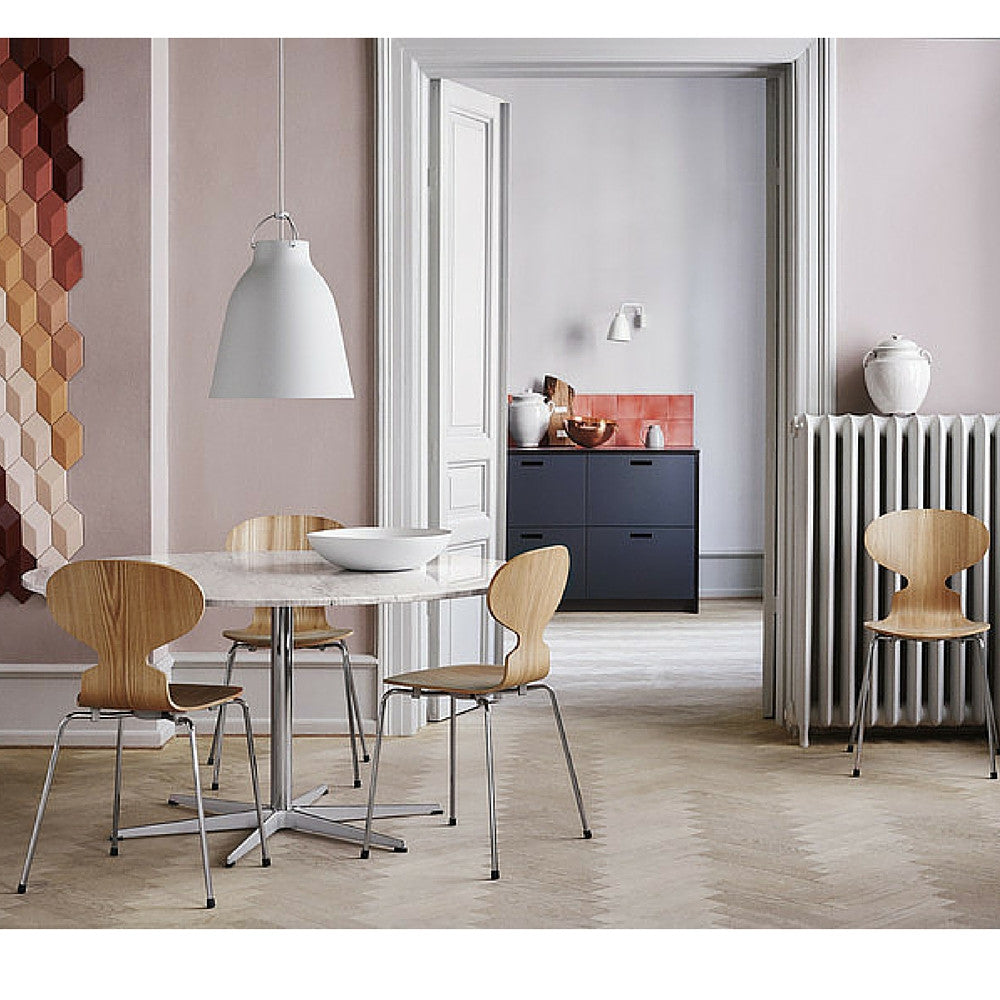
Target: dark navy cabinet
{"points": [[629, 518]]}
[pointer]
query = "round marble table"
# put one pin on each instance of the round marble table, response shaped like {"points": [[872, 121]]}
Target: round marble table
{"points": [[283, 581]]}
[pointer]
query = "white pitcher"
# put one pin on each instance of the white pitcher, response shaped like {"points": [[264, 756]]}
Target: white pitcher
{"points": [[528, 418]]}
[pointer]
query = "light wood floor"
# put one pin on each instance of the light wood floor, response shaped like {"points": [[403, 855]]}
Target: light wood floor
{"points": [[704, 814]]}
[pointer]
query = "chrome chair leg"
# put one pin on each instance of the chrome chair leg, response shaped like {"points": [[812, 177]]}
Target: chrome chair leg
{"points": [[452, 765], [863, 702], [215, 751], [209, 896], [265, 857], [373, 779], [116, 811], [587, 833], [492, 789], [350, 699], [979, 642], [46, 788]]}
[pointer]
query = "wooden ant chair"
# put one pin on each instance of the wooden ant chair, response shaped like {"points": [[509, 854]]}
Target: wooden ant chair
{"points": [[926, 547], [124, 610], [523, 595], [288, 533]]}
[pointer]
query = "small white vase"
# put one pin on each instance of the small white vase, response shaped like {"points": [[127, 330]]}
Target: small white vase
{"points": [[528, 418], [897, 375]]}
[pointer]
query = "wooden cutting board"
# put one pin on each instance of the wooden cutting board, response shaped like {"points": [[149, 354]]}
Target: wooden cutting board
{"points": [[561, 395]]}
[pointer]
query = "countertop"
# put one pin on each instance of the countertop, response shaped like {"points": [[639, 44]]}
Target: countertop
{"points": [[577, 449]]}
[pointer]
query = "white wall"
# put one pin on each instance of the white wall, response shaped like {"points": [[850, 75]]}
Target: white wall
{"points": [[650, 191]]}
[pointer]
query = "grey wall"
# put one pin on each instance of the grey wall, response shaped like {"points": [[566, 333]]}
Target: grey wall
{"points": [[651, 191]]}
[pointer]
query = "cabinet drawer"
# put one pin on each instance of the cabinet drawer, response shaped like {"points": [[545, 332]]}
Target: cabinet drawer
{"points": [[575, 539], [546, 489], [641, 563], [642, 489]]}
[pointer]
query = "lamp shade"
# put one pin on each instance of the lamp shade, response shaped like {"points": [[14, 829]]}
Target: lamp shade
{"points": [[281, 338], [620, 332]]}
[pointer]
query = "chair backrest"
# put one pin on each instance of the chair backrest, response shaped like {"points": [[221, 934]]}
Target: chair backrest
{"points": [[523, 595], [123, 610], [927, 547], [280, 533]]}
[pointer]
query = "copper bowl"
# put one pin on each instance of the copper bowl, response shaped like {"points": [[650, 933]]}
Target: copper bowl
{"points": [[589, 432]]}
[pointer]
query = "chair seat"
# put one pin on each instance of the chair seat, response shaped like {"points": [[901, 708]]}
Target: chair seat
{"points": [[466, 678], [191, 697], [928, 628], [306, 639]]}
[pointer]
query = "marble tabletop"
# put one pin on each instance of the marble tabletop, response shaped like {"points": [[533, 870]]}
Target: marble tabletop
{"points": [[305, 579]]}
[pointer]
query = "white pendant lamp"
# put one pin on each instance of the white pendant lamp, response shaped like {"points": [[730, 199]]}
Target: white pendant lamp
{"points": [[281, 338]]}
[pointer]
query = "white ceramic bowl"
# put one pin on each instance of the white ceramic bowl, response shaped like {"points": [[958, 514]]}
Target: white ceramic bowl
{"points": [[379, 549]]}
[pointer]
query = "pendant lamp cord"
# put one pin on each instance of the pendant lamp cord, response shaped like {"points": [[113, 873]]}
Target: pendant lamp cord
{"points": [[282, 215]]}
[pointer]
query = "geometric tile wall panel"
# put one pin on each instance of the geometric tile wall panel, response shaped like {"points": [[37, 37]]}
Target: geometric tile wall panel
{"points": [[40, 348]]}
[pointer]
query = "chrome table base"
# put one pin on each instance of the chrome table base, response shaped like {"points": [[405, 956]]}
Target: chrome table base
{"points": [[284, 812]]}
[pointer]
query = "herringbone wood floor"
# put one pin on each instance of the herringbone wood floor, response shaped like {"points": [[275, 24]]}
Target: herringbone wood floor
{"points": [[704, 814]]}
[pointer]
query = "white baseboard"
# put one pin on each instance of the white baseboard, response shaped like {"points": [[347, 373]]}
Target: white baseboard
{"points": [[34, 697], [730, 574]]}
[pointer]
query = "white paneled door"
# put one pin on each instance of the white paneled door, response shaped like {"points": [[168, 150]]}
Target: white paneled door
{"points": [[466, 308]]}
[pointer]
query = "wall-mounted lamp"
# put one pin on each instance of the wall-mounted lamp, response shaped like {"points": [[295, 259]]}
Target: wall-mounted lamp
{"points": [[621, 331]]}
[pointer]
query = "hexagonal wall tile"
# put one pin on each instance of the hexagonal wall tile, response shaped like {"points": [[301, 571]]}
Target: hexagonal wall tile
{"points": [[53, 50], [24, 51], [4, 49], [36, 351], [36, 174], [11, 85], [67, 350], [53, 129], [67, 173], [3, 219], [67, 530], [22, 306], [10, 173], [69, 84], [36, 262], [67, 262], [10, 350], [16, 568], [10, 262], [10, 440], [51, 218], [51, 395], [36, 529], [50, 485], [67, 440], [22, 129], [20, 485], [22, 217], [39, 85], [53, 306], [10, 531], [36, 441], [51, 558], [20, 395]]}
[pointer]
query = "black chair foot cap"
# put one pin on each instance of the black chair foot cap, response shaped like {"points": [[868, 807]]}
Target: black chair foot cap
{"points": [[209, 762], [856, 773], [364, 854], [22, 888], [210, 904], [993, 774], [437, 812], [172, 802], [849, 748], [265, 863], [366, 759], [587, 834], [495, 874], [357, 782], [452, 821], [215, 786], [230, 864], [399, 850], [113, 852]]}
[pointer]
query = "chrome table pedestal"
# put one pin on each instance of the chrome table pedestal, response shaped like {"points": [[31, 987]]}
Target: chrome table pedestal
{"points": [[285, 812]]}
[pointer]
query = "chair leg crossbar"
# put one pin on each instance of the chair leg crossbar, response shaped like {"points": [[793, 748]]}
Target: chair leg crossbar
{"points": [[856, 739], [486, 704]]}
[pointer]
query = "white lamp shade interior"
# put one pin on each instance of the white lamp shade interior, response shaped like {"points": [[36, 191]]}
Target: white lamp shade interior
{"points": [[281, 338], [620, 331]]}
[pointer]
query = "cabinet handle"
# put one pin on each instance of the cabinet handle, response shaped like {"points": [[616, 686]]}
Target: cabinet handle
{"points": [[531, 461], [640, 461], [640, 534], [532, 534]]}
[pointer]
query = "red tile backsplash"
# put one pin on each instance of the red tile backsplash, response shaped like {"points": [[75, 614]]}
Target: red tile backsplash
{"points": [[636, 411]]}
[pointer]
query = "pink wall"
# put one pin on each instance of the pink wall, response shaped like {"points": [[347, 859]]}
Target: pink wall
{"points": [[231, 459], [110, 306], [918, 201]]}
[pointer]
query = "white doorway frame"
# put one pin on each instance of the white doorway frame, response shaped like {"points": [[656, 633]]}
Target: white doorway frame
{"points": [[801, 276]]}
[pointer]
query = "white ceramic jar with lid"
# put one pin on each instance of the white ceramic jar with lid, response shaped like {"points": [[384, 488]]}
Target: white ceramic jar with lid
{"points": [[528, 418], [897, 375]]}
